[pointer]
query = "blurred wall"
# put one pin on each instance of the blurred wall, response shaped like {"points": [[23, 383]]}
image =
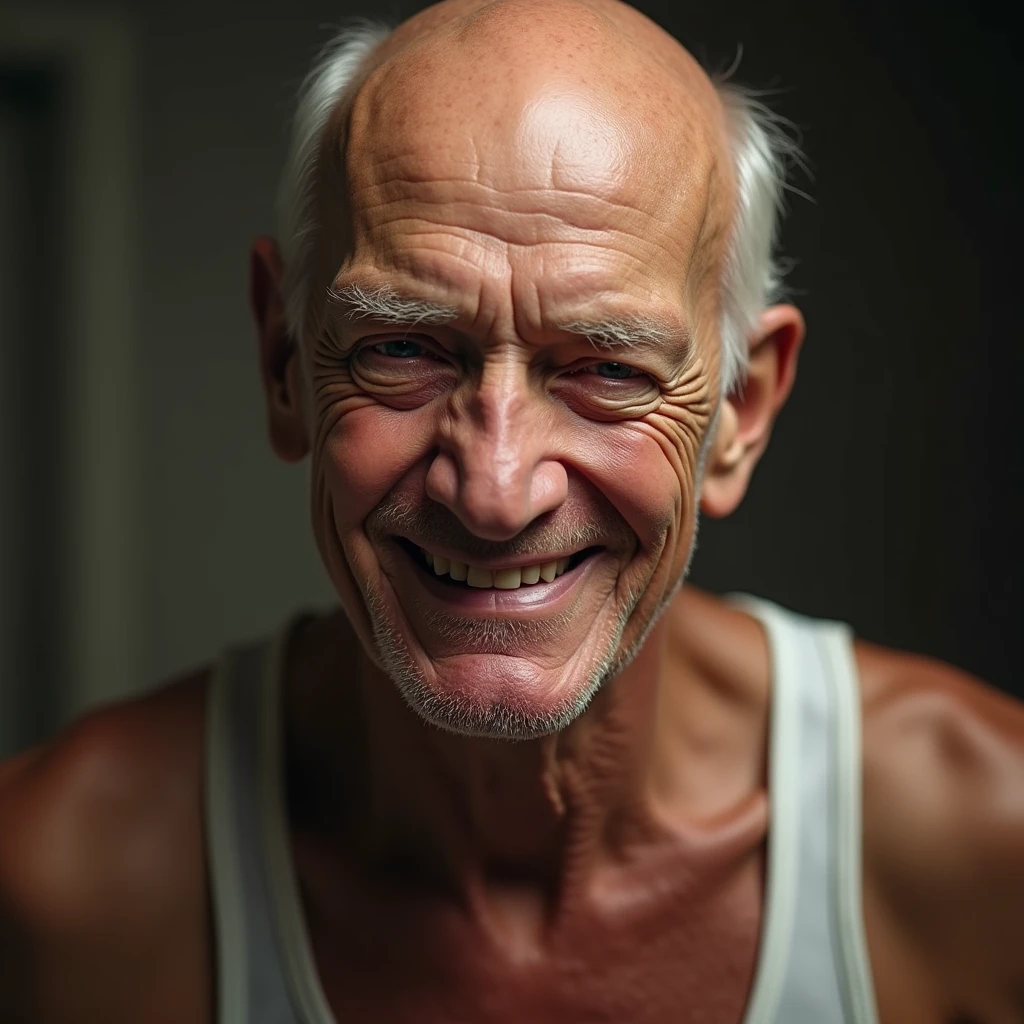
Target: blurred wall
{"points": [[887, 496], [228, 546]]}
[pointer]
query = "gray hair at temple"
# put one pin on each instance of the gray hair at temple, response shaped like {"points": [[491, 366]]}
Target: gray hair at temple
{"points": [[761, 150]]}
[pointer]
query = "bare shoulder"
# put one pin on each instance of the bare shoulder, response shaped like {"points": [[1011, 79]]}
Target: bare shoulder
{"points": [[102, 865], [943, 771]]}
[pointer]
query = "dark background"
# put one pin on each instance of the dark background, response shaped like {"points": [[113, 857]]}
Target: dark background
{"points": [[889, 497]]}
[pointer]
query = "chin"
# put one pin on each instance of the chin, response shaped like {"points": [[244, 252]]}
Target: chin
{"points": [[490, 694], [505, 677]]}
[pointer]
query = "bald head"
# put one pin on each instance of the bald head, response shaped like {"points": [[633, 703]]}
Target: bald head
{"points": [[566, 30], [594, 43], [589, 97], [533, 98]]}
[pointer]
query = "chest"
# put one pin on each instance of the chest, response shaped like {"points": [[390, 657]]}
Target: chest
{"points": [[655, 950]]}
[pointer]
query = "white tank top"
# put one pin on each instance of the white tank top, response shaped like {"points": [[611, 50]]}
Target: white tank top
{"points": [[812, 960]]}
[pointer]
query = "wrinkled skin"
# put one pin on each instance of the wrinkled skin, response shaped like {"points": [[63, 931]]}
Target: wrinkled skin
{"points": [[499, 161], [555, 197], [528, 166]]}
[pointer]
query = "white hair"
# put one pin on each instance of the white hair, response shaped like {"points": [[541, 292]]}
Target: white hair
{"points": [[761, 149], [334, 77]]}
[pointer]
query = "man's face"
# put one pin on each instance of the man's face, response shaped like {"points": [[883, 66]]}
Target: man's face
{"points": [[541, 406]]}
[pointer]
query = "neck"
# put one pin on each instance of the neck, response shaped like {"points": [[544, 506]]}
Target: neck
{"points": [[533, 809], [469, 816]]}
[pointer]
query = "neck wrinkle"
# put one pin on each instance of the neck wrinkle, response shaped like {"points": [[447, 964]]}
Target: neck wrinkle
{"points": [[545, 815]]}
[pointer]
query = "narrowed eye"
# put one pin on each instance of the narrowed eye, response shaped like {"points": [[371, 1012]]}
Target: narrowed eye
{"points": [[399, 349], [613, 371]]}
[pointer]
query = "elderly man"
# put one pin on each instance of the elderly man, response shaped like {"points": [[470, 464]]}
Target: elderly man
{"points": [[522, 325]]}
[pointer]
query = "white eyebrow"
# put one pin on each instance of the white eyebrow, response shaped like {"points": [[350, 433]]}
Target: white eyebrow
{"points": [[635, 331], [384, 305]]}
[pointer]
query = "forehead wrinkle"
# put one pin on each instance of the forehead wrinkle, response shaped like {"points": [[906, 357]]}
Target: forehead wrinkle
{"points": [[589, 211], [409, 175], [647, 252], [649, 185], [425, 96], [420, 246], [440, 208]]}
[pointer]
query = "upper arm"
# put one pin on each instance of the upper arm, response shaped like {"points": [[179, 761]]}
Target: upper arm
{"points": [[944, 829], [102, 897]]}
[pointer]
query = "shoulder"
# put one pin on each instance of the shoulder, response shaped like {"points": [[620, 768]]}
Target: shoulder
{"points": [[947, 748], [101, 859], [943, 771]]}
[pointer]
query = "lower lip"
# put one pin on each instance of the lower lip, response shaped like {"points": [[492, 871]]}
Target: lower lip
{"points": [[546, 598]]}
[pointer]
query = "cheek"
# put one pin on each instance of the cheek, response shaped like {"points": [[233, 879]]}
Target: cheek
{"points": [[367, 451], [645, 476]]}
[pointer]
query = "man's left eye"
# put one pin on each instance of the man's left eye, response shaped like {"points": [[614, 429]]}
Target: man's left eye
{"points": [[613, 371], [399, 349]]}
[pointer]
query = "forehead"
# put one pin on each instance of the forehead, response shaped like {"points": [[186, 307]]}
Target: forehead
{"points": [[541, 138]]}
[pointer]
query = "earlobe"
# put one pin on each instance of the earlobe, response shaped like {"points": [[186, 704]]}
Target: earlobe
{"points": [[724, 482], [280, 359]]}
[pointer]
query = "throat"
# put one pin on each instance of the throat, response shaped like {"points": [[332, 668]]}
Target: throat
{"points": [[517, 917], [520, 835]]}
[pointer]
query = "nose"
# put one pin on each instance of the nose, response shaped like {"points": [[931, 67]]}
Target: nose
{"points": [[495, 468]]}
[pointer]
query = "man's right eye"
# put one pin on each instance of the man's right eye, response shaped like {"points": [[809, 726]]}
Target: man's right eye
{"points": [[399, 349]]}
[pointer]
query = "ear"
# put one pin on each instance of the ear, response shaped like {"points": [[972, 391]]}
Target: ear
{"points": [[747, 414], [280, 359]]}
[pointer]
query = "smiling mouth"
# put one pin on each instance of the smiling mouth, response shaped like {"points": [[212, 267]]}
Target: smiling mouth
{"points": [[464, 574]]}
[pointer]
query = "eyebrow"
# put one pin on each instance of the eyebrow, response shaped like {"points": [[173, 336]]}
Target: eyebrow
{"points": [[353, 302], [634, 331], [385, 305]]}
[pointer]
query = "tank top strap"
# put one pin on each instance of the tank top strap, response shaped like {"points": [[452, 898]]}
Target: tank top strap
{"points": [[813, 966], [251, 983]]}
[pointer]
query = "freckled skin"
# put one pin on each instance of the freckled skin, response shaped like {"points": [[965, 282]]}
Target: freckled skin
{"points": [[528, 164]]}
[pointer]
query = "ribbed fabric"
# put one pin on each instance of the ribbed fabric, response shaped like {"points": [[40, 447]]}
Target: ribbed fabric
{"points": [[812, 965]]}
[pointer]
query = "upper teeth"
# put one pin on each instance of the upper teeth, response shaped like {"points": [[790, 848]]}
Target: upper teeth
{"points": [[501, 579]]}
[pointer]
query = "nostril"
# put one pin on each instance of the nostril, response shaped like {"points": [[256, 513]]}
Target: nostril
{"points": [[495, 499], [549, 487], [490, 515], [442, 481]]}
